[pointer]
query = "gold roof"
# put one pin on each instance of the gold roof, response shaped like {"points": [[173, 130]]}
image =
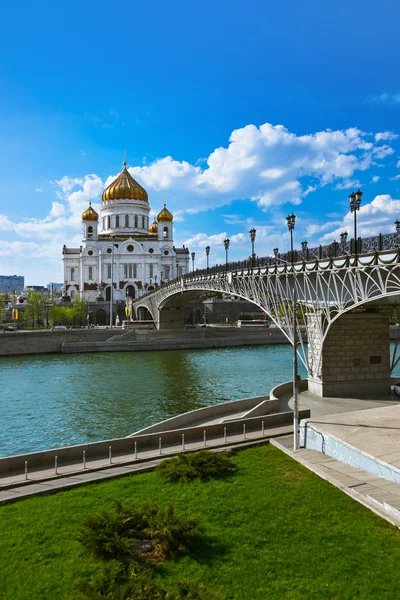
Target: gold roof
{"points": [[124, 187], [153, 227], [164, 215], [90, 214]]}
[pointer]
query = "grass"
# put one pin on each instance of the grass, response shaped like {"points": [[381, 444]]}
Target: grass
{"points": [[274, 530]]}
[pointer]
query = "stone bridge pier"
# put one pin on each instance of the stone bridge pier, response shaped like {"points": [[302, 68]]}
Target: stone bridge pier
{"points": [[354, 357]]}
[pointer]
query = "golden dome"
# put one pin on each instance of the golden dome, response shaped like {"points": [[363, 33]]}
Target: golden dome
{"points": [[90, 214], [153, 227], [164, 215], [124, 187]]}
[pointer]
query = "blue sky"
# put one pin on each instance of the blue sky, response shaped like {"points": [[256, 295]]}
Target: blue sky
{"points": [[238, 113]]}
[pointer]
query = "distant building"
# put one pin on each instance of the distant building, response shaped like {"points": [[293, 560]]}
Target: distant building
{"points": [[54, 288], [12, 283], [40, 289]]}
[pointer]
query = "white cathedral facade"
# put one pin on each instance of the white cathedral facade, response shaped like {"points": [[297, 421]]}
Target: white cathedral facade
{"points": [[122, 253]]}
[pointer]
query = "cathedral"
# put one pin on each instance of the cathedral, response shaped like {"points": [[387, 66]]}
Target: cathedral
{"points": [[122, 253]]}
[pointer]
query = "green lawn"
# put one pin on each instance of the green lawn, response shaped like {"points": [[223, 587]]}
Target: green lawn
{"points": [[274, 530]]}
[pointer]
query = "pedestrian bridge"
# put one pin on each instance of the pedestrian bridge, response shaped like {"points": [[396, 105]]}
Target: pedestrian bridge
{"points": [[342, 311]]}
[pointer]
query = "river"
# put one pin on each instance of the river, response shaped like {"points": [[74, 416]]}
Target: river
{"points": [[49, 401], [57, 400]]}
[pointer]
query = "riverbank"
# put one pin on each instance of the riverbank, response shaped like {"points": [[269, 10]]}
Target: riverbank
{"points": [[19, 343]]}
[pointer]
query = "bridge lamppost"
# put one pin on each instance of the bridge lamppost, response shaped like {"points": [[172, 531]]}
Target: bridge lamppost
{"points": [[253, 239], [304, 249], [193, 257], [207, 255], [343, 239], [177, 268], [397, 225], [276, 252], [290, 220], [226, 246], [355, 202]]}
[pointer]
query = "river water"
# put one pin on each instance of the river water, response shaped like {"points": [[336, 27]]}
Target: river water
{"points": [[63, 399], [57, 400]]}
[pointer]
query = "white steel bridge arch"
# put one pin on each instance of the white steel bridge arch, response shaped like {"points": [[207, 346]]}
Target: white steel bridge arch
{"points": [[324, 289]]}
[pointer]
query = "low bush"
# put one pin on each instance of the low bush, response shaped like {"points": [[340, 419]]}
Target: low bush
{"points": [[127, 532], [119, 582], [199, 465]]}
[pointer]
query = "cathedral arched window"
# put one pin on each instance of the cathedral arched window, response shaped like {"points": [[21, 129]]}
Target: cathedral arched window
{"points": [[108, 222], [126, 220], [90, 231], [136, 221], [117, 221], [165, 232], [109, 271], [151, 270], [72, 274], [90, 272]]}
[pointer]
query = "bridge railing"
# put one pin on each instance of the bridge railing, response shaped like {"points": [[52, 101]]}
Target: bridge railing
{"points": [[378, 243]]}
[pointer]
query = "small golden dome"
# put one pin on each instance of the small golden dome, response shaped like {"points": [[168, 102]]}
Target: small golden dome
{"points": [[90, 214], [164, 215], [124, 187], [153, 227]]}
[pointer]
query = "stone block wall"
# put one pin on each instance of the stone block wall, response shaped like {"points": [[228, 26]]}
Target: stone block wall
{"points": [[355, 357]]}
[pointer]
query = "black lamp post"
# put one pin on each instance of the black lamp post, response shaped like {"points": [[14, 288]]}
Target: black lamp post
{"points": [[207, 255], [290, 220], [343, 239], [276, 252], [355, 202], [253, 239], [226, 246], [193, 257]]}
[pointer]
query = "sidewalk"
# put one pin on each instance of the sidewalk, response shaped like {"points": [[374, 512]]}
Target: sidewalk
{"points": [[45, 480]]}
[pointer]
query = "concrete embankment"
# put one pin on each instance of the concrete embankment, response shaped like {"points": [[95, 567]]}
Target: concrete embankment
{"points": [[106, 340]]}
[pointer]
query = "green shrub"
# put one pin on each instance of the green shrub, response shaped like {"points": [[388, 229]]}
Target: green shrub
{"points": [[132, 533], [201, 465], [119, 582]]}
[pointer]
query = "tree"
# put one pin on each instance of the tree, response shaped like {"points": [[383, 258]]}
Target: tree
{"points": [[80, 310], [35, 307], [61, 315]]}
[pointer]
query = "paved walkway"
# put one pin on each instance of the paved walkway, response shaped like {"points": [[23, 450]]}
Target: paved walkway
{"points": [[376, 493], [45, 480]]}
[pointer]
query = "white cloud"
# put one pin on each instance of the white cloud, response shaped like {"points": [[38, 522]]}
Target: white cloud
{"points": [[57, 209], [39, 190], [348, 184], [387, 98], [375, 179], [5, 223], [385, 135], [395, 178], [398, 164], [375, 217], [266, 164]]}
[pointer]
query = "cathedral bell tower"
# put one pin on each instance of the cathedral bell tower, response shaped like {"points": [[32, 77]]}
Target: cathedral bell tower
{"points": [[90, 222], [165, 219]]}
